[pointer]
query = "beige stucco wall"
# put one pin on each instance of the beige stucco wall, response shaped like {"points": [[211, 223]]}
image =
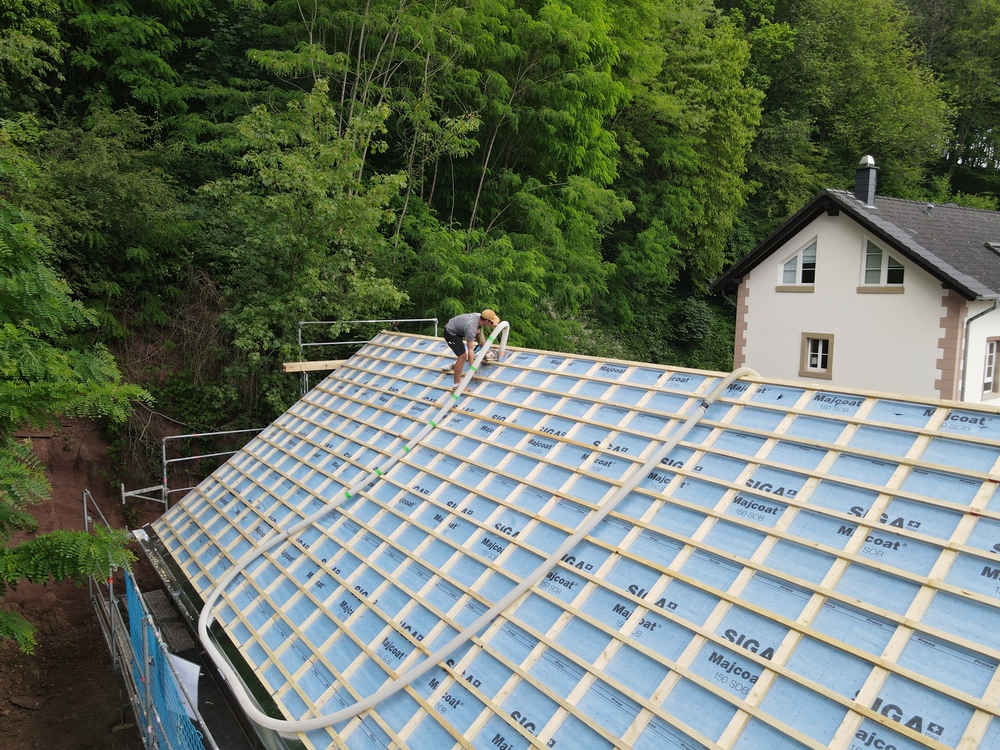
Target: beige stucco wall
{"points": [[887, 342]]}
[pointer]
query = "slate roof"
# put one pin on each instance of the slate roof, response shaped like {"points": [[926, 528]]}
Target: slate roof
{"points": [[946, 240], [796, 565]]}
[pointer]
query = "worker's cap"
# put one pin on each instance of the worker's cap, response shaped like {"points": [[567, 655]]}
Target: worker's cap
{"points": [[490, 316]]}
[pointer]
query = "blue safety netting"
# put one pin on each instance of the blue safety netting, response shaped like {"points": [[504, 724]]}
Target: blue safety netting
{"points": [[159, 707]]}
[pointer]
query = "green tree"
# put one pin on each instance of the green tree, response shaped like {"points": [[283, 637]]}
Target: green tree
{"points": [[842, 80], [685, 137], [117, 219], [121, 52], [496, 114], [30, 52], [685, 134], [781, 163], [48, 369], [867, 94], [961, 43], [540, 271], [304, 231]]}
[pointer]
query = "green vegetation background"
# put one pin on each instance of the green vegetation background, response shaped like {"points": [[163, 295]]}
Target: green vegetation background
{"points": [[183, 181]]}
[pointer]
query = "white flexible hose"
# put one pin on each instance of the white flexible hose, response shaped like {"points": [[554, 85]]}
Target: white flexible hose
{"points": [[304, 725]]}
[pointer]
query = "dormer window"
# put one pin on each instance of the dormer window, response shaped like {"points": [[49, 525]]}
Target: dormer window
{"points": [[799, 270], [881, 269]]}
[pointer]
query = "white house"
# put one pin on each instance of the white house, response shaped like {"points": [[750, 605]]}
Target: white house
{"points": [[874, 292]]}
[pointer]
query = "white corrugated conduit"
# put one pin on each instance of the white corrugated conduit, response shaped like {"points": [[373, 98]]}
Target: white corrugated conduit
{"points": [[434, 659]]}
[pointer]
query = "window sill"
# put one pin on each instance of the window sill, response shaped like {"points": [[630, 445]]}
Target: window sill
{"points": [[794, 288], [990, 395], [816, 374], [894, 289]]}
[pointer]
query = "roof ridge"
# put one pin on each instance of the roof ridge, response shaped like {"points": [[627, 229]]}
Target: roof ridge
{"points": [[950, 204]]}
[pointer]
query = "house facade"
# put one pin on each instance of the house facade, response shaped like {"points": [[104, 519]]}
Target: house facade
{"points": [[872, 292]]}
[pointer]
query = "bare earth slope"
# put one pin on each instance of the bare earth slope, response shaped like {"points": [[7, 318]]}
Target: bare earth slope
{"points": [[66, 696]]}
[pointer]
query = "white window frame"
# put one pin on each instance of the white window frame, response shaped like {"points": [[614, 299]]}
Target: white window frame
{"points": [[991, 383], [803, 267], [816, 356], [886, 276]]}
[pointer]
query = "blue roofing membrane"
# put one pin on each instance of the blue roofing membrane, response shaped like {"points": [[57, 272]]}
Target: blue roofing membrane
{"points": [[806, 568]]}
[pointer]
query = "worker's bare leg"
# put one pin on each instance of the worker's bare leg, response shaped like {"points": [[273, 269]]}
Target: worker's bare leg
{"points": [[457, 368]]}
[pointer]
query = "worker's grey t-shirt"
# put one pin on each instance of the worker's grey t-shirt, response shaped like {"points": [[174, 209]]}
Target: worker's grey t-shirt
{"points": [[466, 326]]}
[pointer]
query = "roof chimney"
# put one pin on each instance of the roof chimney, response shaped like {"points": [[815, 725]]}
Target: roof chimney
{"points": [[864, 181]]}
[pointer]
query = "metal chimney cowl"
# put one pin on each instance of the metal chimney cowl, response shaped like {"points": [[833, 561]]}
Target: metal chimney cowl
{"points": [[865, 180]]}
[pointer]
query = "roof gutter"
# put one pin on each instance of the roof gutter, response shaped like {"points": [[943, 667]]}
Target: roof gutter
{"points": [[965, 352]]}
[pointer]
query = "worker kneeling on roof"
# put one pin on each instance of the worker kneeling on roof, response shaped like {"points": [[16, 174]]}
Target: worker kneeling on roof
{"points": [[462, 332]]}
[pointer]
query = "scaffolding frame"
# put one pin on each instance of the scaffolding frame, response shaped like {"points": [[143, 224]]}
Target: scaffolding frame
{"points": [[303, 345], [160, 493], [163, 491], [161, 725]]}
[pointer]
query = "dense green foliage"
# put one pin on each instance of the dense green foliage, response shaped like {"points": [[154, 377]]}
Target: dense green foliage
{"points": [[49, 366], [209, 174], [183, 181]]}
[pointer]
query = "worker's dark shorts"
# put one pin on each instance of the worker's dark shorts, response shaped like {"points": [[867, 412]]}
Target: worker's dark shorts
{"points": [[455, 342]]}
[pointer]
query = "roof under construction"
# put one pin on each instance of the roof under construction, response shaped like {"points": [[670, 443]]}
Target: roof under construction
{"points": [[572, 552]]}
